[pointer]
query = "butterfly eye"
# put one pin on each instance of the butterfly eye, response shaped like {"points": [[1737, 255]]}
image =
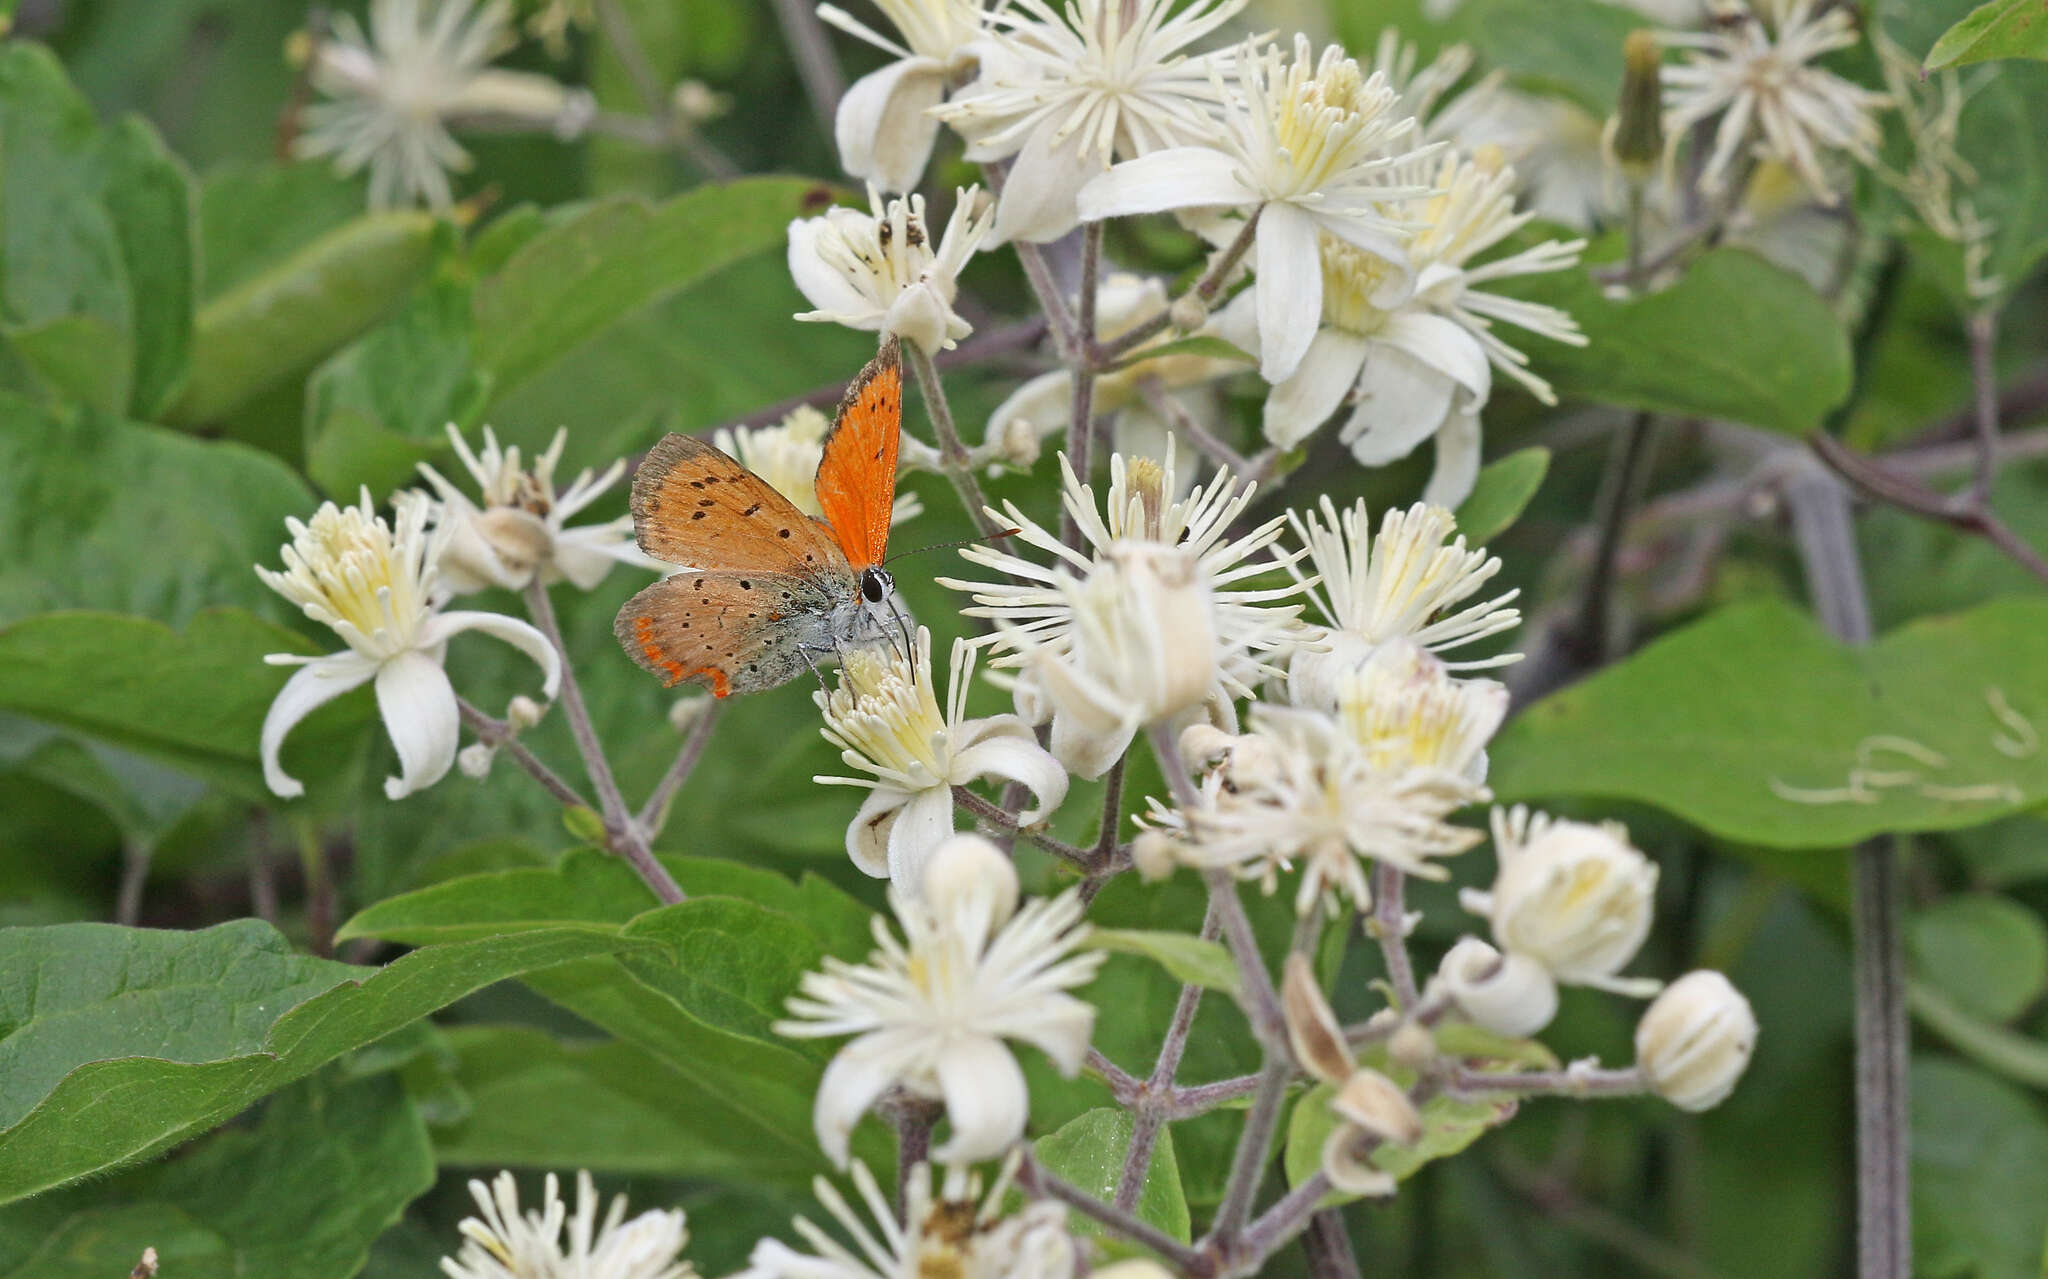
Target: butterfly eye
{"points": [[874, 585]]}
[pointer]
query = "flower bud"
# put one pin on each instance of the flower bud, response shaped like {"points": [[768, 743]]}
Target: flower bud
{"points": [[968, 878], [475, 760], [1188, 313], [1695, 1040], [1637, 132], [1312, 1029], [523, 712], [1509, 995], [683, 716], [1574, 897], [1020, 444], [1412, 1045], [1154, 854]]}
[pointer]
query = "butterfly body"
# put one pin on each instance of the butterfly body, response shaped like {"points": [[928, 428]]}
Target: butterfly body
{"points": [[767, 592]]}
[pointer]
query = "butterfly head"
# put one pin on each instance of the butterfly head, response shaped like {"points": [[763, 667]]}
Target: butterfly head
{"points": [[876, 586]]}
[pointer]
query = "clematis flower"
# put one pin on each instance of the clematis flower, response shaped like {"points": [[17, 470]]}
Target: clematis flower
{"points": [[376, 587], [1695, 1041], [519, 528], [787, 455], [1410, 582], [392, 94], [930, 1013], [1307, 146], [885, 127], [1754, 71], [1068, 91], [957, 1231], [880, 272], [503, 1243], [1574, 897], [1154, 624], [886, 721]]}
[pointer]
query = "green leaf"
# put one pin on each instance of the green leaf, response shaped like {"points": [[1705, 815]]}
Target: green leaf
{"points": [[381, 405], [100, 513], [589, 888], [1735, 337], [304, 1194], [121, 1042], [1990, 954], [1501, 494], [193, 699], [539, 1102], [1567, 47], [142, 798], [1191, 959], [1980, 1174], [2020, 1058], [571, 282], [1089, 1152], [1753, 724], [1998, 29], [254, 217], [279, 322], [1448, 1127]]}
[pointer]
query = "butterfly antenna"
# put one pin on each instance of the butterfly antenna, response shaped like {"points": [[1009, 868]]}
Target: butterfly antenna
{"points": [[965, 541]]}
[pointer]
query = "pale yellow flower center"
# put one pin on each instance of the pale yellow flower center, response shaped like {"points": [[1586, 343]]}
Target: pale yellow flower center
{"points": [[346, 569], [887, 712], [1351, 277], [1320, 112]]}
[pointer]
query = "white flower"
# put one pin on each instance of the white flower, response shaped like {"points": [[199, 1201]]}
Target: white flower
{"points": [[1422, 366], [393, 93], [1401, 585], [1122, 302], [1069, 91], [885, 718], [931, 1012], [1574, 897], [519, 528], [880, 272], [1405, 710], [1509, 995], [1695, 1040], [1154, 623], [885, 127], [1307, 146], [1300, 788], [375, 587], [503, 1243], [787, 456], [958, 1234], [1759, 81]]}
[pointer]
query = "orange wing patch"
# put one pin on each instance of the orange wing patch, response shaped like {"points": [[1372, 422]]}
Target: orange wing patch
{"points": [[692, 504], [857, 475]]}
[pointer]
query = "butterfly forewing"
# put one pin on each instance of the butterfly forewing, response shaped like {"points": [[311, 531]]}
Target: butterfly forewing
{"points": [[692, 504], [732, 631], [857, 475]]}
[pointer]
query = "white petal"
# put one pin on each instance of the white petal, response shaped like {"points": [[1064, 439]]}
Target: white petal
{"points": [[1290, 274], [884, 133], [1056, 1025], [867, 835], [1401, 401], [418, 706], [986, 1100], [1457, 465], [1018, 759], [1360, 233], [1443, 345], [822, 286], [859, 1074], [583, 556], [1046, 402], [1349, 1173], [1306, 398], [921, 826], [1037, 203], [518, 634], [1176, 178], [312, 686]]}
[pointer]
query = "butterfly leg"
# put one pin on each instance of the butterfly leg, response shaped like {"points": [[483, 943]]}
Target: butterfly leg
{"points": [[909, 649], [804, 651]]}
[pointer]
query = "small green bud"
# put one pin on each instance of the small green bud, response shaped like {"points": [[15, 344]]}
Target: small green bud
{"points": [[1638, 128]]}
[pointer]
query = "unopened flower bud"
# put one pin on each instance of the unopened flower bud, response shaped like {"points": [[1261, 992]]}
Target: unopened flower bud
{"points": [[1638, 127], [1312, 1029], [1695, 1040], [1154, 854], [1574, 897], [697, 102], [1020, 445], [1509, 995], [523, 712], [475, 760], [1204, 744], [683, 716], [1188, 313], [1412, 1046], [968, 877]]}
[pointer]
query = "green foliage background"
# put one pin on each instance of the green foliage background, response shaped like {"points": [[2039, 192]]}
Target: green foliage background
{"points": [[198, 340]]}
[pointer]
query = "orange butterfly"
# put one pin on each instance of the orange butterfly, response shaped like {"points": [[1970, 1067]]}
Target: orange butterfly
{"points": [[768, 591]]}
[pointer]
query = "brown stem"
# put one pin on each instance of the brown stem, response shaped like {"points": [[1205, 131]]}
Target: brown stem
{"points": [[1106, 354], [816, 64], [1003, 820], [953, 457], [1983, 329], [495, 732], [1962, 512], [654, 812], [1034, 1179], [135, 858], [1390, 926], [1081, 413], [1328, 1245]]}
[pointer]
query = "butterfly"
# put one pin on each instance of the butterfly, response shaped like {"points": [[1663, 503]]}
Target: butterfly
{"points": [[769, 591]]}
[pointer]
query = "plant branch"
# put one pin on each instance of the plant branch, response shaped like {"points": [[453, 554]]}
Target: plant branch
{"points": [[1081, 414], [496, 733], [623, 833], [1624, 476], [1462, 1081], [1288, 1217], [1390, 926], [816, 64], [135, 859], [1329, 1246], [953, 459], [1983, 329], [1105, 354], [655, 810], [1183, 422], [995, 815], [668, 130], [1962, 512], [1035, 1179], [1156, 1098], [1254, 1144]]}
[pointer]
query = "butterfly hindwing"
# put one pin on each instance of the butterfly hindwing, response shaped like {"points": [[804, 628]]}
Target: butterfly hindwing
{"points": [[693, 504], [857, 475], [731, 630]]}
